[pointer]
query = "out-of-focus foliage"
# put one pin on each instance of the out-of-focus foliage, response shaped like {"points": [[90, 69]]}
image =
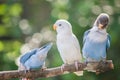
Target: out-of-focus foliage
{"points": [[27, 24]]}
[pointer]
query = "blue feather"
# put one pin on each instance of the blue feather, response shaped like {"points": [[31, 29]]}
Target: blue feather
{"points": [[108, 41], [85, 35], [95, 44], [27, 55]]}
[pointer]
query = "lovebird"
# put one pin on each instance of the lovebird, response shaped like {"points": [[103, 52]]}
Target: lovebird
{"points": [[35, 59], [96, 40], [67, 44]]}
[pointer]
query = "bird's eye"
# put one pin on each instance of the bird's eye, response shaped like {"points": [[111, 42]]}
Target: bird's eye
{"points": [[60, 24]]}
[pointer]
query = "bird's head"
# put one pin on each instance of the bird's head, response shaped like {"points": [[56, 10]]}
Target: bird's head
{"points": [[102, 21], [62, 26]]}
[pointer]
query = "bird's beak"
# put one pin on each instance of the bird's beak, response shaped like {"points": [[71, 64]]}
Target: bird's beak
{"points": [[100, 26], [54, 27]]}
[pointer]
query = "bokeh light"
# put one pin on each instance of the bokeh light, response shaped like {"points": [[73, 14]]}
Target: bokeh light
{"points": [[83, 22], [96, 9], [63, 15], [108, 9], [24, 26]]}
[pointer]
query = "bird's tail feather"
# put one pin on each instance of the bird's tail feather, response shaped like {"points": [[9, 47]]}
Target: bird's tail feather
{"points": [[79, 73]]}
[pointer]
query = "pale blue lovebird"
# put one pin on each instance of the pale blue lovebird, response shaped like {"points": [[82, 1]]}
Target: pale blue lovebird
{"points": [[35, 58], [96, 41]]}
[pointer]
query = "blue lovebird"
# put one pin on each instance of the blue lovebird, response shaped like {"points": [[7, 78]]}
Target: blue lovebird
{"points": [[96, 40], [35, 58]]}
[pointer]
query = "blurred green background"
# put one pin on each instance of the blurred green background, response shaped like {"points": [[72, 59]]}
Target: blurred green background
{"points": [[27, 24]]}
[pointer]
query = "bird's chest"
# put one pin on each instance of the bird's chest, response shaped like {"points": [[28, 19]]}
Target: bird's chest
{"points": [[67, 49], [63, 43], [97, 36]]}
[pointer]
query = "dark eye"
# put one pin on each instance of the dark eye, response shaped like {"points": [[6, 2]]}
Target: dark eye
{"points": [[60, 24]]}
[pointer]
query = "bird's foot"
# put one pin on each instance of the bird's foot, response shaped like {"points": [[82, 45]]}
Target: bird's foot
{"points": [[63, 67], [79, 65], [76, 65], [44, 68], [86, 62], [25, 71], [100, 66]]}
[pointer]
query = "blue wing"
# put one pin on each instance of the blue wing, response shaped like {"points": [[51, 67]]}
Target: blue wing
{"points": [[85, 35], [27, 55], [108, 41]]}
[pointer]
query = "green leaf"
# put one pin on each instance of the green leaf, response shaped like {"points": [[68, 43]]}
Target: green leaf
{"points": [[1, 46], [3, 9], [15, 9]]}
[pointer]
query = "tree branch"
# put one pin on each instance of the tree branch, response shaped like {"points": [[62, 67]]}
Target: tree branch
{"points": [[101, 67]]}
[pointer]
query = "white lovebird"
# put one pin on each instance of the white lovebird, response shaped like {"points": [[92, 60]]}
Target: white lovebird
{"points": [[67, 44]]}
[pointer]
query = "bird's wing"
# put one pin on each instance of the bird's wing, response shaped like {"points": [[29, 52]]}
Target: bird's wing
{"points": [[108, 41], [76, 42], [27, 55], [85, 35]]}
